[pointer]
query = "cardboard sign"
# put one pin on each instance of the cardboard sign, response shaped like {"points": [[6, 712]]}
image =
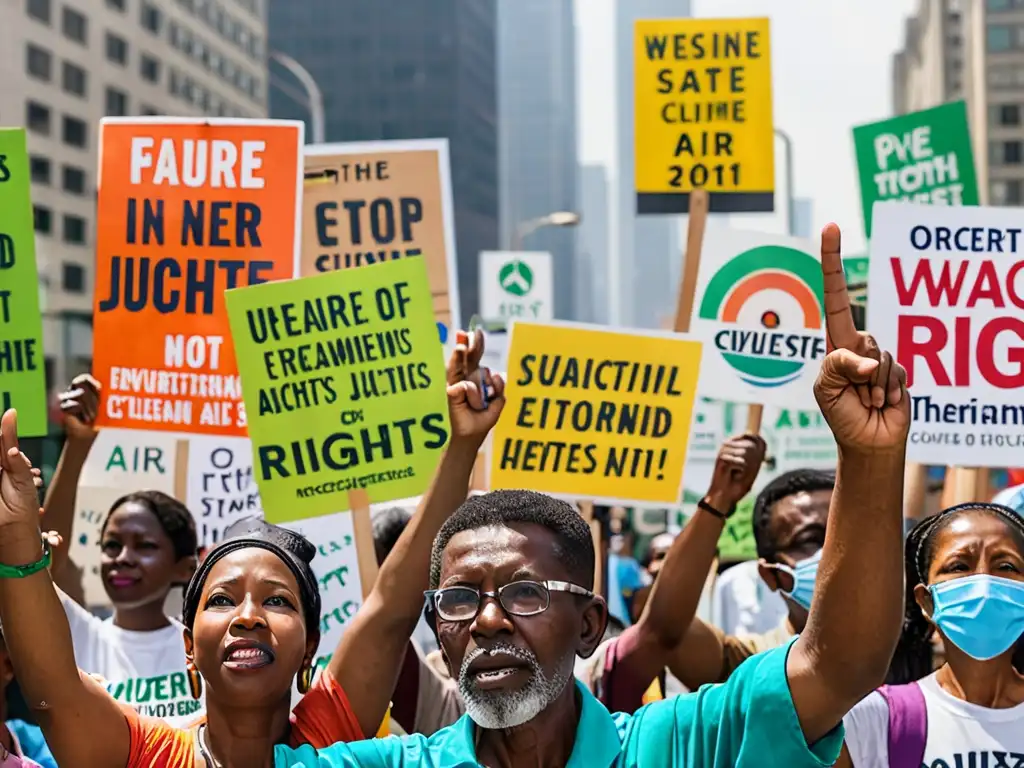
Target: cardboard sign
{"points": [[946, 299], [923, 157], [221, 488], [187, 209], [759, 310], [377, 201], [344, 386], [596, 414], [703, 114], [22, 373]]}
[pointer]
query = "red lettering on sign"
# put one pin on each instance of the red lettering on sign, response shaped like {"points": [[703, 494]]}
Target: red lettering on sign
{"points": [[910, 350]]}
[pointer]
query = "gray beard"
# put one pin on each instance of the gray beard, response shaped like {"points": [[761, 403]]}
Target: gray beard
{"points": [[497, 710]]}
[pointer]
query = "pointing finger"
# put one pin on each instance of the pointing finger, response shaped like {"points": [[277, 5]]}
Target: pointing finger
{"points": [[840, 331]]}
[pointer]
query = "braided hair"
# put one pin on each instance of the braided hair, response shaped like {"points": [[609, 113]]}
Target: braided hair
{"points": [[913, 657]]}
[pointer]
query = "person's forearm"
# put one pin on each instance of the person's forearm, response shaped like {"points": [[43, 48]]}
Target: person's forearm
{"points": [[403, 576], [676, 594], [59, 504], [36, 629], [858, 603]]}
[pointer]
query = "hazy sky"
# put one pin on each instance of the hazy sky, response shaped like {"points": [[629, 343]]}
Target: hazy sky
{"points": [[831, 70]]}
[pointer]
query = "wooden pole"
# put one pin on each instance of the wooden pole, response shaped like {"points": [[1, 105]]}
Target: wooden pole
{"points": [[915, 490], [181, 471], [691, 266], [362, 529]]}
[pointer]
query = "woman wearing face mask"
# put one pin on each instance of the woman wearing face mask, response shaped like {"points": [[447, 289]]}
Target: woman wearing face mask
{"points": [[965, 578], [148, 547]]}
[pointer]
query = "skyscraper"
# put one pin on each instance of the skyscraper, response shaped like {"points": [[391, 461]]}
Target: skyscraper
{"points": [[405, 69], [537, 165], [647, 249], [594, 245], [68, 64]]}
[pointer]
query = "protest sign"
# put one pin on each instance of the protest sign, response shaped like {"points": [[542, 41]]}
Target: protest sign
{"points": [[187, 209], [369, 202], [517, 285], [220, 488], [946, 298], [344, 386], [703, 114], [336, 567], [131, 460], [22, 373], [596, 414], [759, 311], [923, 157]]}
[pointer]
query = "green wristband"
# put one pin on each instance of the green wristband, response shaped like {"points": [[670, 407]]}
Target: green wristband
{"points": [[21, 571]]}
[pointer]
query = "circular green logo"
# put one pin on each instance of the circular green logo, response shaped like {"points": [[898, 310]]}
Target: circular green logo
{"points": [[516, 278]]}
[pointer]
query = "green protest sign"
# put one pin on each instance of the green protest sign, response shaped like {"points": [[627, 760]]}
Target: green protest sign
{"points": [[344, 386], [923, 157], [736, 542], [22, 373]]}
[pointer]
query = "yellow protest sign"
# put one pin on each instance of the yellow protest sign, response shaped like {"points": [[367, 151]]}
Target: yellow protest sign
{"points": [[596, 414], [703, 114], [344, 386]]}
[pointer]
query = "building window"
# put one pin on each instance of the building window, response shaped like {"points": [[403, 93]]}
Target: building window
{"points": [[42, 219], [117, 102], [40, 168], [73, 278], [74, 180], [1000, 37], [1009, 114], [74, 25], [152, 19], [37, 118], [38, 62], [998, 5], [40, 10], [1007, 192], [150, 68], [74, 229], [74, 79], [1012, 152], [117, 5], [74, 132], [117, 49]]}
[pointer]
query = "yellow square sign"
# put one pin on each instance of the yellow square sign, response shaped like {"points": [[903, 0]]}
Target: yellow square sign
{"points": [[596, 414], [703, 114]]}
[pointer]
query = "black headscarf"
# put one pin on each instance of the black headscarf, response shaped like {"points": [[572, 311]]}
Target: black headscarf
{"points": [[294, 549]]}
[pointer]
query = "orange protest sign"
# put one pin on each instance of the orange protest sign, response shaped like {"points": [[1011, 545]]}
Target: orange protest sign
{"points": [[187, 209]]}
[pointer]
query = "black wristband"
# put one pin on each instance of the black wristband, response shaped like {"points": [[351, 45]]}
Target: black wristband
{"points": [[712, 511]]}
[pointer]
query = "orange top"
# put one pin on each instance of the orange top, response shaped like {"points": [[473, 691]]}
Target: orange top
{"points": [[323, 717]]}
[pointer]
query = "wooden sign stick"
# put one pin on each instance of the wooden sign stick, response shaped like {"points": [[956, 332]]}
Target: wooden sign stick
{"points": [[362, 529], [181, 471]]}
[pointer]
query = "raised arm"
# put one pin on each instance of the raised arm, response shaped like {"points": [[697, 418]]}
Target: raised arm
{"points": [[80, 404], [857, 611], [669, 632], [368, 657], [82, 723]]}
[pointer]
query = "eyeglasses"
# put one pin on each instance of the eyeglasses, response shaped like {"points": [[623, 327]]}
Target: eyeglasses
{"points": [[517, 598]]}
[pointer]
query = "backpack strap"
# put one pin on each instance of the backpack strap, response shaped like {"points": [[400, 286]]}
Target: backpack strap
{"points": [[908, 724]]}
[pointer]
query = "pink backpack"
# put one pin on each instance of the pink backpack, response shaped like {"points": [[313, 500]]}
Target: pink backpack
{"points": [[908, 724]]}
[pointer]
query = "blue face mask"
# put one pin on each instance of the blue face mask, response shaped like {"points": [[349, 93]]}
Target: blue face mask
{"points": [[804, 575], [981, 615]]}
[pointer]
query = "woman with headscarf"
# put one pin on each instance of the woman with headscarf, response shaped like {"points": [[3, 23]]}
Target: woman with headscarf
{"points": [[252, 624]]}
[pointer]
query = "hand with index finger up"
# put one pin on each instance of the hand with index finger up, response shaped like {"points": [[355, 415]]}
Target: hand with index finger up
{"points": [[861, 390]]}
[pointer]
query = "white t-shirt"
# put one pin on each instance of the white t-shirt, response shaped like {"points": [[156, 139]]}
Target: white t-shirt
{"points": [[959, 733], [143, 669], [742, 604]]}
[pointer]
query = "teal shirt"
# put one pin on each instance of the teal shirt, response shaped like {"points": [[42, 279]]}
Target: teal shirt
{"points": [[747, 721]]}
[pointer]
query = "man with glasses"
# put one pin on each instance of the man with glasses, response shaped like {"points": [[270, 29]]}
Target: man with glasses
{"points": [[513, 572]]}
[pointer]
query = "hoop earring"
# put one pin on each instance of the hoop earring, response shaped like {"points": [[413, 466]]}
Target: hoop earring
{"points": [[304, 680], [195, 682]]}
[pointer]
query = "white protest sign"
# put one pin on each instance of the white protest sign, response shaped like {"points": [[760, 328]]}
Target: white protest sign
{"points": [[517, 285], [220, 488], [947, 298], [759, 310], [131, 460]]}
